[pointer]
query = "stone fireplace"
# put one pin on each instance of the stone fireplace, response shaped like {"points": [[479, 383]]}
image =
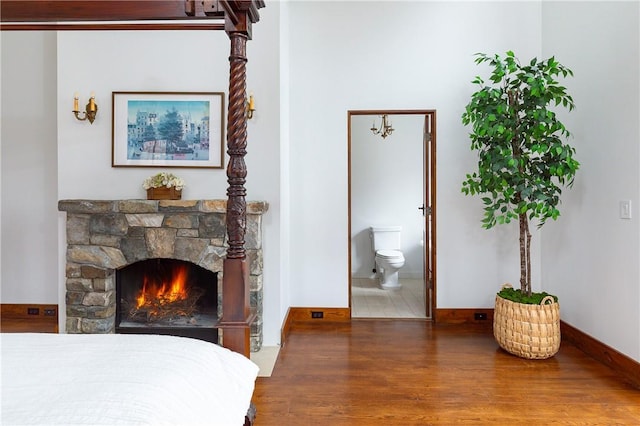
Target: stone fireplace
{"points": [[104, 236]]}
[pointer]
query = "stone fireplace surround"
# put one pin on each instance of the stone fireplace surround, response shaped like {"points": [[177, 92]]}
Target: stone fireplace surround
{"points": [[105, 235]]}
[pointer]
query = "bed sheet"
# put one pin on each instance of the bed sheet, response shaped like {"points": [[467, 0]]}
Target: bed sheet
{"points": [[122, 379]]}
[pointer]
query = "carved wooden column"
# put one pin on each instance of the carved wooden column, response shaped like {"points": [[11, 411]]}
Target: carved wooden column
{"points": [[236, 312]]}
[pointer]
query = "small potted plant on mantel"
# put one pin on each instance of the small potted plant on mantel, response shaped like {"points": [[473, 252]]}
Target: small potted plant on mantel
{"points": [[522, 165], [163, 186]]}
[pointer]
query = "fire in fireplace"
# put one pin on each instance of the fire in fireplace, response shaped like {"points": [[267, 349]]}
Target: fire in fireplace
{"points": [[167, 296]]}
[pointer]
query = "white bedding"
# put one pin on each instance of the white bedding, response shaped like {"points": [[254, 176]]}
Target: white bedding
{"points": [[122, 379]]}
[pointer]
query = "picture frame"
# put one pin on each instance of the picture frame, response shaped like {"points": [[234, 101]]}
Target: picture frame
{"points": [[168, 129]]}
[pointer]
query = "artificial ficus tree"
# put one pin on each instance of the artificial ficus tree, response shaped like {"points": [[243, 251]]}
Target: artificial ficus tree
{"points": [[523, 161]]}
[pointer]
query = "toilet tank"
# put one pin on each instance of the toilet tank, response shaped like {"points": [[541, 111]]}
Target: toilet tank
{"points": [[385, 237]]}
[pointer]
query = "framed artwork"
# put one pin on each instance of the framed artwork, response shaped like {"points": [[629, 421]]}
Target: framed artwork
{"points": [[168, 129]]}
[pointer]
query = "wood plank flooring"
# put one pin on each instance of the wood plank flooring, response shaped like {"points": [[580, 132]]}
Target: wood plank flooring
{"points": [[412, 372]]}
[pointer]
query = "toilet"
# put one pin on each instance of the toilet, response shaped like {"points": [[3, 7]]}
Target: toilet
{"points": [[388, 257]]}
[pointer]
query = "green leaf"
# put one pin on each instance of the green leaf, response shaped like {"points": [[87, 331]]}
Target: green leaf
{"points": [[522, 161]]}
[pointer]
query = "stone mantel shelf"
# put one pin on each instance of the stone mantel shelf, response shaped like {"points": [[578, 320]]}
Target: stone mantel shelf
{"points": [[152, 206]]}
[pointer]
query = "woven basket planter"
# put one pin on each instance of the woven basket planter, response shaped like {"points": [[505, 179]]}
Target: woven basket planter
{"points": [[528, 331], [164, 193]]}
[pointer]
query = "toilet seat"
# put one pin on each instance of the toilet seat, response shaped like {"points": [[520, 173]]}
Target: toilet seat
{"points": [[389, 254]]}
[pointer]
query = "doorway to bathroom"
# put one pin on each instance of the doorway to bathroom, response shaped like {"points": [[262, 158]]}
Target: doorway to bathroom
{"points": [[391, 155]]}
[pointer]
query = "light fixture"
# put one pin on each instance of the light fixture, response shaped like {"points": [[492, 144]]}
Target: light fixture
{"points": [[251, 107], [90, 110], [385, 127]]}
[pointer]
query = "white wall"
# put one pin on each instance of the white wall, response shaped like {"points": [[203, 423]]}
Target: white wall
{"points": [[28, 165], [176, 61], [590, 255], [386, 190], [393, 55], [285, 169]]}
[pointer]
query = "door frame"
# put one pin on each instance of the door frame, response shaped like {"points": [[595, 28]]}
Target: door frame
{"points": [[429, 175]]}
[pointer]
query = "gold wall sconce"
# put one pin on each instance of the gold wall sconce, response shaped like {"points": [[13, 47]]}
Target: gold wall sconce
{"points": [[385, 127], [90, 110], [251, 107]]}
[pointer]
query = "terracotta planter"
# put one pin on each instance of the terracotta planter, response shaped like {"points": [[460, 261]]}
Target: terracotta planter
{"points": [[164, 193]]}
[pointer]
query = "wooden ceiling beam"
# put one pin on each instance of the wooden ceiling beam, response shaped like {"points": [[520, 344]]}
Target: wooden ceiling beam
{"points": [[88, 10], [90, 14]]}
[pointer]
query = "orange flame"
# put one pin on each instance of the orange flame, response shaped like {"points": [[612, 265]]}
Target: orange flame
{"points": [[165, 292]]}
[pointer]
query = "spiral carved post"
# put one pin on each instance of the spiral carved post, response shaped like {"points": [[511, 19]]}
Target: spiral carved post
{"points": [[236, 313], [237, 148]]}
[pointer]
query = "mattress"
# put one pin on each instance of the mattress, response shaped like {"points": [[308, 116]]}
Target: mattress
{"points": [[122, 379]]}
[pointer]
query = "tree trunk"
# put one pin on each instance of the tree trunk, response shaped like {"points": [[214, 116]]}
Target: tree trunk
{"points": [[525, 255]]}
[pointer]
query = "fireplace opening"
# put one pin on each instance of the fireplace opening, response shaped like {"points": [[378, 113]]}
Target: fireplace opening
{"points": [[167, 296]]}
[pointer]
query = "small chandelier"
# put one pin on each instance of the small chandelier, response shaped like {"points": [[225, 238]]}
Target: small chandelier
{"points": [[385, 127]]}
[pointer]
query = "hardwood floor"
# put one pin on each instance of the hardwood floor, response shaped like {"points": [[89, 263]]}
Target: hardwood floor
{"points": [[412, 372]]}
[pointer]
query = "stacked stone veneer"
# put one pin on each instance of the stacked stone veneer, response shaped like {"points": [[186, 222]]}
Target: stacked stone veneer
{"points": [[106, 235]]}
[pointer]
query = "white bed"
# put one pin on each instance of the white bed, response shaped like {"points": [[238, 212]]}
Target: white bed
{"points": [[122, 379]]}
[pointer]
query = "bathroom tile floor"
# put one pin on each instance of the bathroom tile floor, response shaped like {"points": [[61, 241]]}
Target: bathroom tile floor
{"points": [[368, 300]]}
